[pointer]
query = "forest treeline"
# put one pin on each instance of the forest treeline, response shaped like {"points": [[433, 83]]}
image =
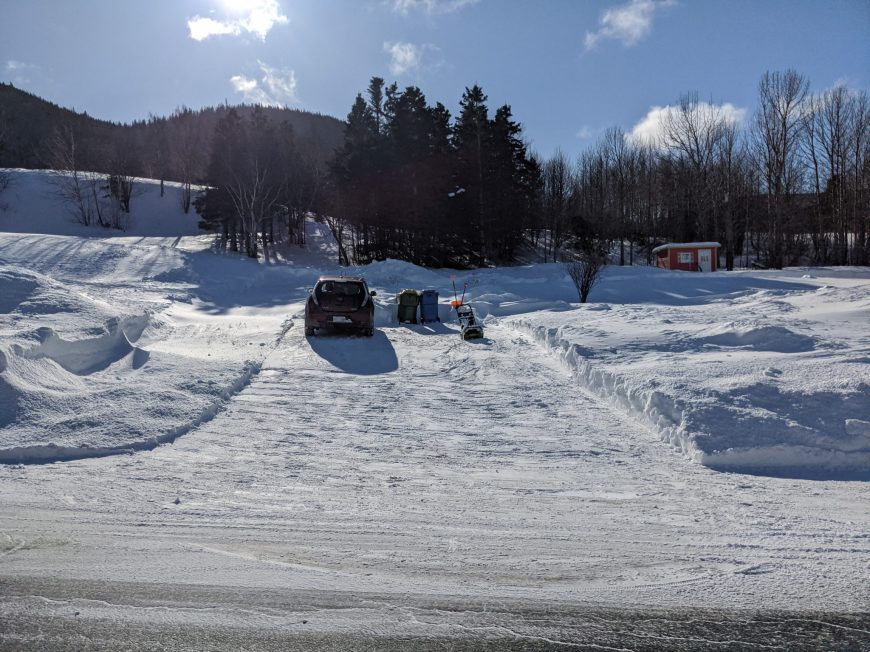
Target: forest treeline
{"points": [[402, 178], [788, 185]]}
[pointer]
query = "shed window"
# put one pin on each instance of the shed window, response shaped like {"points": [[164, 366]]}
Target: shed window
{"points": [[684, 257]]}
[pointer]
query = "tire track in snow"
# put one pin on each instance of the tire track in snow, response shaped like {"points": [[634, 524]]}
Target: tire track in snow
{"points": [[472, 442]]}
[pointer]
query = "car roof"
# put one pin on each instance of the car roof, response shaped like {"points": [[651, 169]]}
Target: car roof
{"points": [[340, 278]]}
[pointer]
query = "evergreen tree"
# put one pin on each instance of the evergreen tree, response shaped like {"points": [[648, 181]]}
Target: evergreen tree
{"points": [[513, 183], [471, 141], [407, 184]]}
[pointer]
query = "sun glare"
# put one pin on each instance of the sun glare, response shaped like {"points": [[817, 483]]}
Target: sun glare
{"points": [[240, 6]]}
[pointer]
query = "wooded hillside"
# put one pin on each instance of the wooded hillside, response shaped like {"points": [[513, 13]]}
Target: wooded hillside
{"points": [[156, 147]]}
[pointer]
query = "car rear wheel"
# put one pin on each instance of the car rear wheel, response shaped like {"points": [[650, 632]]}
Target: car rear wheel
{"points": [[309, 331]]}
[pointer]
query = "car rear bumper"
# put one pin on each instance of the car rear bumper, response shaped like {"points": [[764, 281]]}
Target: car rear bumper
{"points": [[327, 320]]}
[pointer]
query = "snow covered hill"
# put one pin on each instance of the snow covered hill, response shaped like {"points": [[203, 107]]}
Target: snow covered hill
{"points": [[31, 204], [147, 333]]}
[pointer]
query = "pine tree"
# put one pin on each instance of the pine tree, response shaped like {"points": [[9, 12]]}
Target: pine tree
{"points": [[471, 140]]}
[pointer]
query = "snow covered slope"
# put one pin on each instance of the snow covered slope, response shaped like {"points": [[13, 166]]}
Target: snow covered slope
{"points": [[31, 204], [112, 342]]}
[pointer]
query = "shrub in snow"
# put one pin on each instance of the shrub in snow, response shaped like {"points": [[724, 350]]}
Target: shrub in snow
{"points": [[584, 273]]}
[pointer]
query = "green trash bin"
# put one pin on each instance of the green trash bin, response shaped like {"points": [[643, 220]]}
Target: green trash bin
{"points": [[408, 301]]}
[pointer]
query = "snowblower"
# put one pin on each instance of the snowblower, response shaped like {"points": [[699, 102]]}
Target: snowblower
{"points": [[469, 328]]}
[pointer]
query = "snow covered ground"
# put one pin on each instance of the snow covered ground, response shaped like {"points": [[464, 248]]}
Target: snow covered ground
{"points": [[683, 441], [764, 373]]}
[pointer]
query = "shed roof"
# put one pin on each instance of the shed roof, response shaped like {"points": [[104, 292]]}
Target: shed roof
{"points": [[684, 245]]}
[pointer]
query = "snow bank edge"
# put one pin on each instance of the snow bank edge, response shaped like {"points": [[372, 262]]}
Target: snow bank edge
{"points": [[669, 417], [48, 453]]}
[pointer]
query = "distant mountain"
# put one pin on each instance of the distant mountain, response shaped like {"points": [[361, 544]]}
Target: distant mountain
{"points": [[29, 124]]}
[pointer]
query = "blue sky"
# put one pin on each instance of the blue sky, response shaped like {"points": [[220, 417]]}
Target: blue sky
{"points": [[568, 68]]}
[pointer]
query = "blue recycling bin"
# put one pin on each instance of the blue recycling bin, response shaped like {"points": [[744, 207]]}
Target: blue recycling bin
{"points": [[429, 306]]}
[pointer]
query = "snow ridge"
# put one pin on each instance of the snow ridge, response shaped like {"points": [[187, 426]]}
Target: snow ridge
{"points": [[665, 414], [811, 447]]}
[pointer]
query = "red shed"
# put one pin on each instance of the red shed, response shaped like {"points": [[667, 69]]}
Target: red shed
{"points": [[688, 256]]}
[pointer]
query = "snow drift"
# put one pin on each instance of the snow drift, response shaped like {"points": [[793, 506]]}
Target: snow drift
{"points": [[99, 390], [747, 394]]}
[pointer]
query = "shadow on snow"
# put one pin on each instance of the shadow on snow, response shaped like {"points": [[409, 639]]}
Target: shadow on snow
{"points": [[352, 354]]}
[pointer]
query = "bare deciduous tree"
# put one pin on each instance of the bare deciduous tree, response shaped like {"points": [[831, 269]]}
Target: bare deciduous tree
{"points": [[79, 190], [860, 165], [186, 143], [558, 178], [777, 129], [835, 143], [584, 272], [694, 133], [337, 226], [619, 156]]}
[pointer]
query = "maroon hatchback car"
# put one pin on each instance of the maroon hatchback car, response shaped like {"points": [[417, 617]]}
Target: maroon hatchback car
{"points": [[340, 302]]}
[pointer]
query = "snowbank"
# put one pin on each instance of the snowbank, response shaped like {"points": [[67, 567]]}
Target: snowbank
{"points": [[111, 340], [774, 381], [80, 384]]}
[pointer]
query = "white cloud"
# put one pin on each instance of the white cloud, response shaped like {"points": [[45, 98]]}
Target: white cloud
{"points": [[404, 57], [628, 23], [650, 128], [202, 28], [409, 58], [242, 84], [281, 83], [584, 133], [257, 17], [277, 87], [19, 72], [431, 7]]}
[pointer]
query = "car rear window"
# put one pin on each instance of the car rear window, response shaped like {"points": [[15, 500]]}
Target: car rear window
{"points": [[346, 288]]}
